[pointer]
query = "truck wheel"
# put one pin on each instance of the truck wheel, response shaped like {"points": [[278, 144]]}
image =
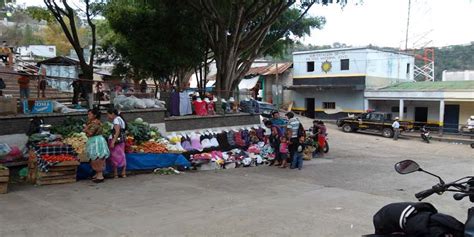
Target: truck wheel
{"points": [[387, 132], [346, 128]]}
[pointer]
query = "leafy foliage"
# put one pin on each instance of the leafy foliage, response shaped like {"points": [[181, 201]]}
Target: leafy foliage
{"points": [[139, 131], [161, 39], [456, 57], [68, 127]]}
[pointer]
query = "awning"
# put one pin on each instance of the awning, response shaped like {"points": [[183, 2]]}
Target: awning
{"points": [[248, 83], [295, 87], [193, 83]]}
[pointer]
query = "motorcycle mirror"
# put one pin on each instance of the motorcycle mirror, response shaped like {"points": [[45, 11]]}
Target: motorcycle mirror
{"points": [[406, 167]]}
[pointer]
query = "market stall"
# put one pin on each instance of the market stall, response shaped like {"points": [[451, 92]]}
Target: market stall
{"points": [[4, 178]]}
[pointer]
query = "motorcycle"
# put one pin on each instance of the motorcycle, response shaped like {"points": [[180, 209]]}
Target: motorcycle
{"points": [[463, 187], [313, 141], [425, 134]]}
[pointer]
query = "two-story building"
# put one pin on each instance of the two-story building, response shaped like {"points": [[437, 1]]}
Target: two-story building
{"points": [[331, 83]]}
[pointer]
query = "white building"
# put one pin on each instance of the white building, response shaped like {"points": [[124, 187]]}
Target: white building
{"points": [[466, 75], [37, 51], [331, 83]]}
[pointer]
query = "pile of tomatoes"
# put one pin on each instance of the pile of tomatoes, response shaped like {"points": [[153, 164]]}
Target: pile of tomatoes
{"points": [[58, 158], [152, 147]]}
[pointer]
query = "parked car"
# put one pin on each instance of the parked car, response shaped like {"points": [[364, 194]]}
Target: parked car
{"points": [[377, 122]]}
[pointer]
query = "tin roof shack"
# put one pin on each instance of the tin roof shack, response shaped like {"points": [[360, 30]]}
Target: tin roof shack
{"points": [[62, 69]]}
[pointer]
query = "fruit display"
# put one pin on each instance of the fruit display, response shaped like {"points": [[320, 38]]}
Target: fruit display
{"points": [[58, 158], [77, 141]]}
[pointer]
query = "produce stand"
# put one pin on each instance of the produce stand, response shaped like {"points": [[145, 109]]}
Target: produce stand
{"points": [[4, 178], [45, 172]]}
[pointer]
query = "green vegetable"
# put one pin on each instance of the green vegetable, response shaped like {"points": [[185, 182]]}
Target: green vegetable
{"points": [[139, 131], [138, 120], [69, 126]]}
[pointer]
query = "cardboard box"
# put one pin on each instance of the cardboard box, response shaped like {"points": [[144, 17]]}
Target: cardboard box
{"points": [[8, 106]]}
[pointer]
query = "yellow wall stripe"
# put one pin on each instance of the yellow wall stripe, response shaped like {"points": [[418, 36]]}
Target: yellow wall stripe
{"points": [[332, 75]]}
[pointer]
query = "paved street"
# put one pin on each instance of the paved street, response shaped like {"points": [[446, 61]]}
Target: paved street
{"points": [[334, 196]]}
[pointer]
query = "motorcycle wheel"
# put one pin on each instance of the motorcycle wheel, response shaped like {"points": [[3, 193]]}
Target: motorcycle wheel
{"points": [[326, 147], [472, 145]]}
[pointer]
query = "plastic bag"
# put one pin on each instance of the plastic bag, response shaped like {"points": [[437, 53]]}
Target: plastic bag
{"points": [[149, 103], [57, 107], [128, 104], [140, 104], [4, 149]]}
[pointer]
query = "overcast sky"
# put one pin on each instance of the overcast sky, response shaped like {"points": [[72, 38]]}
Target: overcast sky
{"points": [[384, 23]]}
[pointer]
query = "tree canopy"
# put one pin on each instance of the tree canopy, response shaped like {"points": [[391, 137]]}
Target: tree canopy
{"points": [[161, 39], [239, 31]]}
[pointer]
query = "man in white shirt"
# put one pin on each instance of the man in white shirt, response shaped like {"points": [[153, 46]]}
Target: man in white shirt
{"points": [[396, 129]]}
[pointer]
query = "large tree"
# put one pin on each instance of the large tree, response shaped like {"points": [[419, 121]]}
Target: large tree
{"points": [[66, 15], [238, 32]]}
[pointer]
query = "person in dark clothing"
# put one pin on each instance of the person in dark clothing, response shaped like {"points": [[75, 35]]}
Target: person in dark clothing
{"points": [[2, 86], [274, 141], [297, 161], [143, 86], [79, 91], [42, 86], [76, 91]]}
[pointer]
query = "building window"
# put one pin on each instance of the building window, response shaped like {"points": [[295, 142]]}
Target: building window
{"points": [[329, 105], [408, 68], [310, 66], [396, 109], [344, 64]]}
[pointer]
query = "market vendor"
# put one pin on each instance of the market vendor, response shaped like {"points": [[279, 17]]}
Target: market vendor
{"points": [[96, 148], [277, 120], [117, 142]]}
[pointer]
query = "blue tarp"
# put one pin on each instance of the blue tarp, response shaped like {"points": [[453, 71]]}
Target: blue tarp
{"points": [[138, 161]]}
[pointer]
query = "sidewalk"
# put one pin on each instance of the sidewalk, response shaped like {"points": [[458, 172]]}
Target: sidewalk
{"points": [[452, 138]]}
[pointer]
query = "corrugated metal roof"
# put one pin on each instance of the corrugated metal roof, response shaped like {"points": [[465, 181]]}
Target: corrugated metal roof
{"points": [[270, 69], [263, 70], [432, 86]]}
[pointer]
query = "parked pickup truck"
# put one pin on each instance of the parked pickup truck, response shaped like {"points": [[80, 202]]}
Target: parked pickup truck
{"points": [[372, 122]]}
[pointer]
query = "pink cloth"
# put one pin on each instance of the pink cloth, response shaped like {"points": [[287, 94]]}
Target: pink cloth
{"points": [[117, 155], [210, 108], [284, 147]]}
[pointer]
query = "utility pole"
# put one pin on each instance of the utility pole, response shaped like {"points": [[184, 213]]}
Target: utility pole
{"points": [[408, 25]]}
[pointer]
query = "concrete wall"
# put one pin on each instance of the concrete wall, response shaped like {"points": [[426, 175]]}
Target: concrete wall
{"points": [[357, 63], [465, 75], [386, 106], [389, 65], [274, 90], [20, 123], [346, 100], [200, 122]]}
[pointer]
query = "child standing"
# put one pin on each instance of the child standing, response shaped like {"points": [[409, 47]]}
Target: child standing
{"points": [[274, 141], [283, 151], [298, 158]]}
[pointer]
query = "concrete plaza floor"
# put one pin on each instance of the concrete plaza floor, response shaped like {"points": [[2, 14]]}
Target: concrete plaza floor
{"points": [[333, 196]]}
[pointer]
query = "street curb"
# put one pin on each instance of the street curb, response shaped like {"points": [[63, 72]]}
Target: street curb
{"points": [[443, 139]]}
